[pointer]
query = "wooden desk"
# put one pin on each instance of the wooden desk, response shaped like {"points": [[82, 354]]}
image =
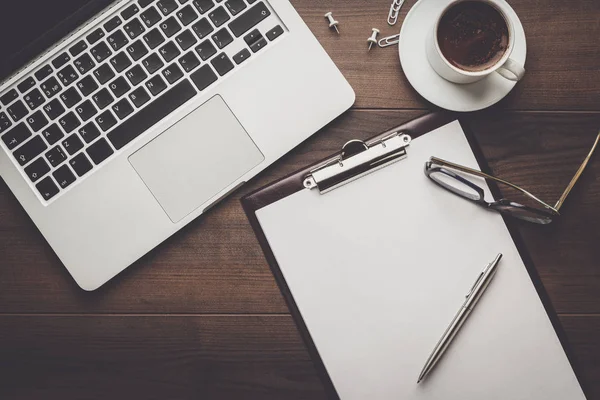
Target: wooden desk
{"points": [[201, 316]]}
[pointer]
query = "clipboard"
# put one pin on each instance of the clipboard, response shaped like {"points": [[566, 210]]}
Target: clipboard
{"points": [[356, 160]]}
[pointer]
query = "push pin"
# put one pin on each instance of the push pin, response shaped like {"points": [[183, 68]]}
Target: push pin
{"points": [[332, 22], [373, 39]]}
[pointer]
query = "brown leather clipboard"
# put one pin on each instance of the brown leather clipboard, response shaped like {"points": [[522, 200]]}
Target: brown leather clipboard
{"points": [[295, 182]]}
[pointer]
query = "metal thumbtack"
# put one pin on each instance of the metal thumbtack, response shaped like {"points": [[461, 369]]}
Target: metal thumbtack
{"points": [[394, 11], [389, 40], [373, 39], [332, 22]]}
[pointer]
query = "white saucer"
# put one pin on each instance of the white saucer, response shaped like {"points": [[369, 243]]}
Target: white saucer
{"points": [[429, 84]]}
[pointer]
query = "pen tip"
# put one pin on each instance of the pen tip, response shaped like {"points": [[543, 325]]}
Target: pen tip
{"points": [[418, 381]]}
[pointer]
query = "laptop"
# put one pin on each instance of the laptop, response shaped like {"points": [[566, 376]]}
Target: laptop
{"points": [[122, 121]]}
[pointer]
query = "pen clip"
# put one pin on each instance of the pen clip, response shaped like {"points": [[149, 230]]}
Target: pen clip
{"points": [[475, 284]]}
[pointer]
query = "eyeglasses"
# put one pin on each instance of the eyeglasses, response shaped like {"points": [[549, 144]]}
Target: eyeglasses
{"points": [[457, 179]]}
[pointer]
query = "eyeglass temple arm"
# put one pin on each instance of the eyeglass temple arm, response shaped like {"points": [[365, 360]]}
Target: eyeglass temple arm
{"points": [[484, 175], [563, 197]]}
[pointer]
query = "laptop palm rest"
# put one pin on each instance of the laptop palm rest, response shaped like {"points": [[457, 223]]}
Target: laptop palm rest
{"points": [[196, 158]]}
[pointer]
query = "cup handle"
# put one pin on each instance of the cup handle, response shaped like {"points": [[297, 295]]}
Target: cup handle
{"points": [[511, 70]]}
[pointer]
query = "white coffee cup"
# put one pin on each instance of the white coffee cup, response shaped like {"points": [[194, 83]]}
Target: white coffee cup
{"points": [[506, 67]]}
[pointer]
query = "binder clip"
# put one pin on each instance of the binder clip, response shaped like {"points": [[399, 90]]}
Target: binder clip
{"points": [[356, 160]]}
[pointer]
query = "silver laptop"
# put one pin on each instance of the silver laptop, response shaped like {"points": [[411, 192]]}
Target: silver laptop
{"points": [[153, 111]]}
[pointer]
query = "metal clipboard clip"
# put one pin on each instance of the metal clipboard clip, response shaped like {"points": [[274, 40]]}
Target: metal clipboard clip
{"points": [[356, 160]]}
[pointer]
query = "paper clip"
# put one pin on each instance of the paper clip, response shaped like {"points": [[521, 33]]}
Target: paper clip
{"points": [[394, 11], [389, 40]]}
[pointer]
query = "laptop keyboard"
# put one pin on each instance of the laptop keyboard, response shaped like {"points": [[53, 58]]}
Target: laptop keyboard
{"points": [[80, 108]]}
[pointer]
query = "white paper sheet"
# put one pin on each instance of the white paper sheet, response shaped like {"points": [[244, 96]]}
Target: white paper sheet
{"points": [[378, 269]]}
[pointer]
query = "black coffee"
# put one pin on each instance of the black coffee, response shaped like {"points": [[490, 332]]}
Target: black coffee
{"points": [[473, 35]]}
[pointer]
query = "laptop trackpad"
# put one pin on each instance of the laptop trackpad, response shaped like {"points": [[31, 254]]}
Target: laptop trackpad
{"points": [[196, 158]]}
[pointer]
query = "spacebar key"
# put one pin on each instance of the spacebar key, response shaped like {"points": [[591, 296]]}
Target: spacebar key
{"points": [[247, 20], [151, 114]]}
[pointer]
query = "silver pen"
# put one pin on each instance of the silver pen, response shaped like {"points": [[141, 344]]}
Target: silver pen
{"points": [[479, 287]]}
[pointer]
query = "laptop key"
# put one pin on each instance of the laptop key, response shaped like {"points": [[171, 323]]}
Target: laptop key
{"points": [[170, 26], [152, 63], [34, 99], [17, 110], [156, 85], [26, 84], [30, 150], [4, 122], [204, 77], [64, 176], [67, 75], [249, 19], [52, 134], [54, 109], [186, 40], [47, 188], [122, 109], [187, 15], [99, 151], [112, 24], [37, 169], [172, 73], [150, 17], [252, 37], [166, 6], [203, 5], [134, 28], [241, 56], [130, 12], [219, 16], [154, 38], [137, 50], [87, 85], [106, 120], [136, 75], [119, 87], [117, 40], [222, 38], [206, 50], [86, 110], [104, 73], [80, 164], [89, 132], [84, 63], [151, 114], [61, 60], [222, 64], [169, 51], [120, 61], [78, 48], [144, 3], [56, 156], [37, 120], [275, 33], [101, 52], [202, 28], [259, 44], [43, 72], [95, 36], [72, 144], [16, 135], [50, 87], [139, 97], [8, 98], [69, 122], [189, 61], [102, 98], [70, 97], [235, 6]]}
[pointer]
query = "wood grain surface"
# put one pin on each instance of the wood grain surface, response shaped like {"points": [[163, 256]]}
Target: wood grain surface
{"points": [[200, 317]]}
